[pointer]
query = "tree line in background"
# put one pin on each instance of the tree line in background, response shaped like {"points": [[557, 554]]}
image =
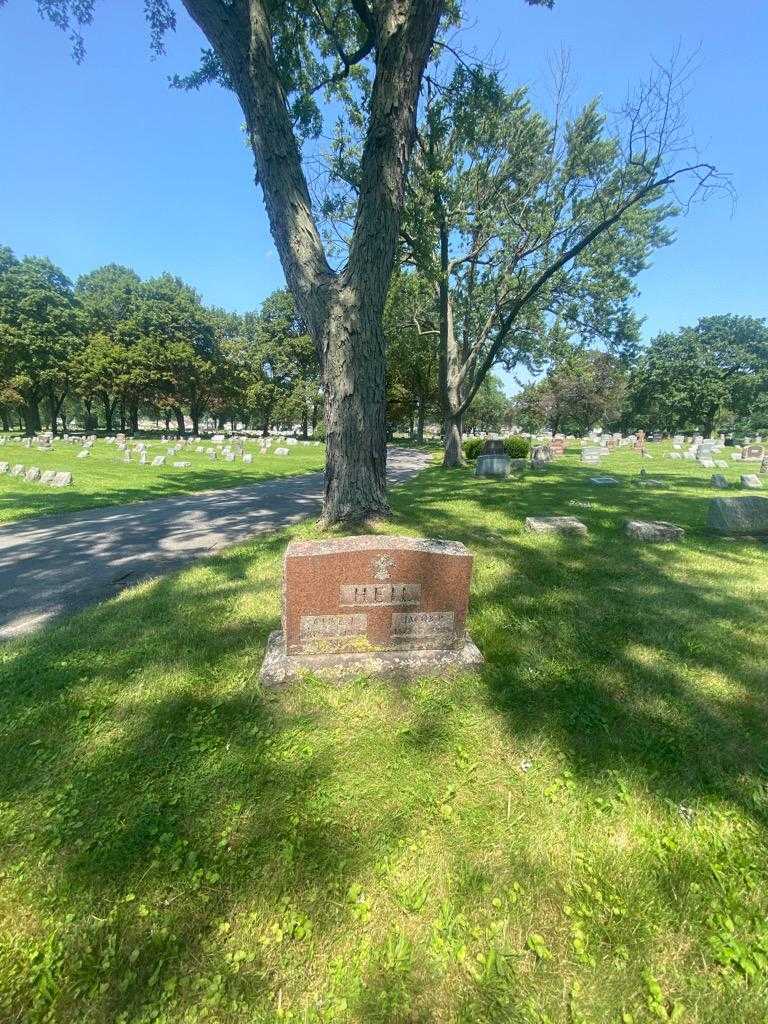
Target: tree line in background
{"points": [[112, 348]]}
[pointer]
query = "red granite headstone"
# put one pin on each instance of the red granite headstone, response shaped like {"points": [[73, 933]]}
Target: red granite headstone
{"points": [[557, 446], [372, 604]]}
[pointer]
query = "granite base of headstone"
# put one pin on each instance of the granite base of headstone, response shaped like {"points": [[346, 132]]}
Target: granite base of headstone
{"points": [[497, 466], [372, 606]]}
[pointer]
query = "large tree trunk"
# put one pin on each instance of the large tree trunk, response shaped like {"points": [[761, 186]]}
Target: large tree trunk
{"points": [[348, 333], [31, 415], [355, 411], [450, 369], [181, 427], [133, 411], [5, 419], [421, 416]]}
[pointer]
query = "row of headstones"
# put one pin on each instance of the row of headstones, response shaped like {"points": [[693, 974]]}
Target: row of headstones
{"points": [[745, 516], [49, 477]]}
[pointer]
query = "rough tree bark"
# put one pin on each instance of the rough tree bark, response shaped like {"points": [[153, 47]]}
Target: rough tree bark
{"points": [[343, 310]]}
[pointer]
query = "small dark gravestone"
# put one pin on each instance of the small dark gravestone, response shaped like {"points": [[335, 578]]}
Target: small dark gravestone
{"points": [[745, 515], [372, 606], [494, 446]]}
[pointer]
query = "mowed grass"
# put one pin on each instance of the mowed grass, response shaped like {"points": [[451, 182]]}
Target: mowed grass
{"points": [[575, 834], [104, 479]]}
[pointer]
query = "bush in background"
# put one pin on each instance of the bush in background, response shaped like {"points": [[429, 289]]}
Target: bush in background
{"points": [[473, 447], [517, 447]]}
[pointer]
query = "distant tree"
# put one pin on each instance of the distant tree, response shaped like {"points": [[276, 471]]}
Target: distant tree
{"points": [[106, 368], [489, 409], [582, 390], [410, 328], [174, 340], [702, 376], [40, 334]]}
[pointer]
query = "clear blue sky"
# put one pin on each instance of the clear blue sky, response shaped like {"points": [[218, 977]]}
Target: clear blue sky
{"points": [[102, 162]]}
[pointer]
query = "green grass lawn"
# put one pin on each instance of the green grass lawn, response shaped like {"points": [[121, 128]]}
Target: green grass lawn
{"points": [[576, 834], [104, 479]]}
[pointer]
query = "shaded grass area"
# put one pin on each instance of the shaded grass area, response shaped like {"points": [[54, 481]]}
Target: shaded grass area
{"points": [[575, 834], [104, 479]]}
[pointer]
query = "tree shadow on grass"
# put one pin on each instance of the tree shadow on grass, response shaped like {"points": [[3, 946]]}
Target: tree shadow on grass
{"points": [[155, 794], [621, 653]]}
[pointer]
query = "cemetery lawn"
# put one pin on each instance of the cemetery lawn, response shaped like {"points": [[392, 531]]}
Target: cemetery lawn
{"points": [[104, 479], [577, 834]]}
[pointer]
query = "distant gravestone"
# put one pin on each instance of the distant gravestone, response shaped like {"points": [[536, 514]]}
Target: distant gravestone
{"points": [[62, 479], [603, 481], [744, 515], [719, 481], [282, 451], [753, 453], [656, 531], [83, 454], [247, 458], [3, 467], [159, 460], [372, 605], [32, 475], [181, 465], [48, 477], [541, 456], [17, 470], [229, 456], [556, 524], [751, 481]]}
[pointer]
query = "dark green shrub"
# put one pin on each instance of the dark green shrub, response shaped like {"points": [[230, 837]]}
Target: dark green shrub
{"points": [[517, 447], [473, 446]]}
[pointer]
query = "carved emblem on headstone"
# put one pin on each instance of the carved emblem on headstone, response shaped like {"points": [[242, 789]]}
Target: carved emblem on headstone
{"points": [[381, 567]]}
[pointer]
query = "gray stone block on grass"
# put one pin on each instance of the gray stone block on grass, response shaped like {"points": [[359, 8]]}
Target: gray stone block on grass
{"points": [[496, 466], [743, 516], [556, 524], [751, 481], [653, 532], [32, 475], [719, 481], [603, 481]]}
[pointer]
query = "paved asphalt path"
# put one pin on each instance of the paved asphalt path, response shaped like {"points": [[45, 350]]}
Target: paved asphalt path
{"points": [[59, 564]]}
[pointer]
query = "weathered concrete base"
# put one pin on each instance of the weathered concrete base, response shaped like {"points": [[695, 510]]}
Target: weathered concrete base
{"points": [[280, 668], [656, 532], [556, 524]]}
